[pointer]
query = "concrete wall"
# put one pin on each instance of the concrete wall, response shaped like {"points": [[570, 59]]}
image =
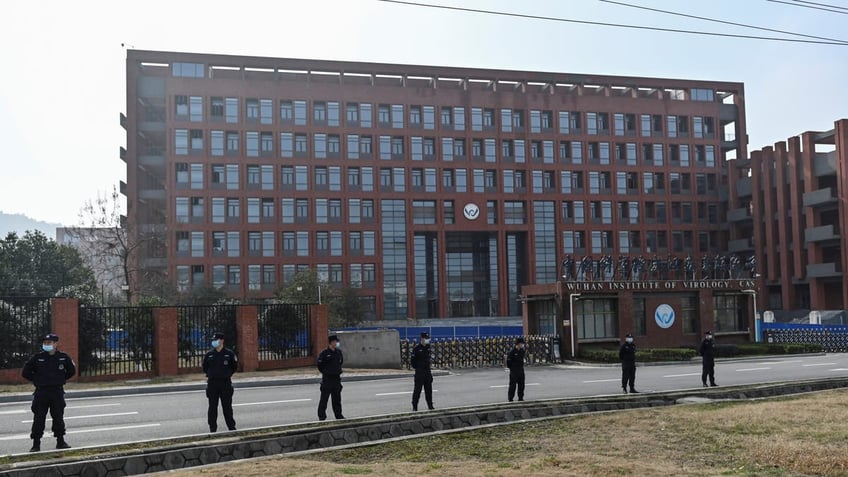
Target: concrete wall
{"points": [[375, 349]]}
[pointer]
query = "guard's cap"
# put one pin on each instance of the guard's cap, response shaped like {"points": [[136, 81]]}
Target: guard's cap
{"points": [[520, 339], [217, 335], [629, 335], [50, 337], [425, 335], [332, 338], [709, 332]]}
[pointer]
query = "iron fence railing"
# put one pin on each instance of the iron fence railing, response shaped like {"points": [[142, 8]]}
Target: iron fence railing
{"points": [[283, 331], [484, 352], [23, 321], [115, 340], [195, 326], [833, 339]]}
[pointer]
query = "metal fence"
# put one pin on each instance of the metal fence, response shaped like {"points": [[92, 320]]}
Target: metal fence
{"points": [[832, 338], [484, 352], [447, 332], [115, 340], [23, 321], [195, 326], [283, 331]]}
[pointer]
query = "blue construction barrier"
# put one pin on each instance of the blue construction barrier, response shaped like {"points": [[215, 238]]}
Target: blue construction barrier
{"points": [[446, 332]]}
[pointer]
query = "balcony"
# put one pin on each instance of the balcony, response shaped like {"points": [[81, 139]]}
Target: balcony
{"points": [[728, 112], [819, 197], [821, 233], [738, 215], [823, 270], [741, 245], [824, 164], [743, 187]]}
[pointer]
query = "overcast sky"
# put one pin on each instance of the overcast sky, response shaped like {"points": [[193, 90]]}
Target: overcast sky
{"points": [[62, 66]]}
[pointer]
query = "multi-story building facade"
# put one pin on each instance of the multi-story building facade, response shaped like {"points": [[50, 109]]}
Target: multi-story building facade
{"points": [[791, 202], [439, 192], [103, 249]]}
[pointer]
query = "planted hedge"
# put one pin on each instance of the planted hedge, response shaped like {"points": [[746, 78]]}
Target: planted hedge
{"points": [[610, 355]]}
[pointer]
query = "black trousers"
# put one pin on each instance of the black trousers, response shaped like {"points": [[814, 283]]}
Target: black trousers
{"points": [[220, 389], [708, 371], [331, 387], [628, 376], [44, 400], [516, 379], [424, 381]]}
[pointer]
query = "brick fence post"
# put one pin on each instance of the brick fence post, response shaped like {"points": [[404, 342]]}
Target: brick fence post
{"points": [[65, 323], [318, 327], [165, 341], [247, 333]]}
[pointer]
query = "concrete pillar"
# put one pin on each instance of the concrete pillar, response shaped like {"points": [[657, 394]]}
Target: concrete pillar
{"points": [[319, 316], [247, 331], [165, 343], [65, 323]]}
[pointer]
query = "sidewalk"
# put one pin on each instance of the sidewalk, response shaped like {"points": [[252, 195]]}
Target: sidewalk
{"points": [[568, 362], [196, 382]]}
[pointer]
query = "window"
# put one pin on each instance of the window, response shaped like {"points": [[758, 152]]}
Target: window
{"points": [[267, 244], [286, 112], [252, 110], [300, 112], [397, 116], [232, 143], [333, 113], [252, 143], [352, 146], [729, 312], [217, 143], [515, 212], [195, 109], [181, 141], [216, 108], [365, 115], [597, 318], [319, 113], [423, 212], [701, 94], [231, 110], [187, 70], [320, 146], [352, 114]]}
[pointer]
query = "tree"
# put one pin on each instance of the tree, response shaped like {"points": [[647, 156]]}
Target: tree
{"points": [[36, 266], [346, 307], [305, 287]]}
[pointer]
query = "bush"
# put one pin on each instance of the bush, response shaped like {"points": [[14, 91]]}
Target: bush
{"points": [[610, 355], [755, 349]]}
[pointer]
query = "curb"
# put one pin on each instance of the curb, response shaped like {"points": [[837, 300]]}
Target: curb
{"points": [[200, 386], [568, 362]]}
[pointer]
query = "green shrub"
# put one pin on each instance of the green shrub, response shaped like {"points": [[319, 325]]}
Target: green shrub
{"points": [[610, 355]]}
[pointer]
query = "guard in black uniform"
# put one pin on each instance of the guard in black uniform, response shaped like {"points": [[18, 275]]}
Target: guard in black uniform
{"points": [[627, 355], [219, 365], [330, 365], [708, 352], [515, 363], [48, 371], [420, 362]]}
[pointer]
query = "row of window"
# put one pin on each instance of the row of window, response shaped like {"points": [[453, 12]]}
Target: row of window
{"points": [[264, 244], [361, 211], [580, 242], [264, 277], [395, 179], [417, 148], [445, 118]]}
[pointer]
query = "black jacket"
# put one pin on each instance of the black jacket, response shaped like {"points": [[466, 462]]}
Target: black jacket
{"points": [[515, 360], [627, 354], [707, 350], [330, 363], [220, 364], [419, 360], [46, 370]]}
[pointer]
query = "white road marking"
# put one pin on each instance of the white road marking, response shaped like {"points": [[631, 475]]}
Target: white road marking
{"points": [[782, 362], [838, 369], [90, 416], [20, 411], [818, 364], [602, 381], [83, 431], [400, 392], [270, 402], [681, 375], [742, 370], [507, 385], [93, 405]]}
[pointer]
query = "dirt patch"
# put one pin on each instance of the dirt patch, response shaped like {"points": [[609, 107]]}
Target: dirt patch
{"points": [[782, 437]]}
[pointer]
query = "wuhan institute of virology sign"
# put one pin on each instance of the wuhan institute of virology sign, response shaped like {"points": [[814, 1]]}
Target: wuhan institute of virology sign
{"points": [[664, 315]]}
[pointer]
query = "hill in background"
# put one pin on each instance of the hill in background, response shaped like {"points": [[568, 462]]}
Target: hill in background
{"points": [[20, 223]]}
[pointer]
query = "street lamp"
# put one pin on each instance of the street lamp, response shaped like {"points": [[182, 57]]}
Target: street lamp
{"points": [[571, 298], [757, 322]]}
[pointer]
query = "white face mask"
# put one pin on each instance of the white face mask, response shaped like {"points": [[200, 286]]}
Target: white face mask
{"points": [[47, 348], [709, 337], [426, 341], [629, 340], [338, 344], [215, 343]]}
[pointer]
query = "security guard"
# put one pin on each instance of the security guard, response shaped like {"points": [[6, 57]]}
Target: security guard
{"points": [[219, 365], [48, 371], [515, 363], [330, 366], [627, 355], [708, 352], [420, 362]]}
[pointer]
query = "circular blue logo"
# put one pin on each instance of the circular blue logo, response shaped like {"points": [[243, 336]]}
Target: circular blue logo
{"points": [[664, 315]]}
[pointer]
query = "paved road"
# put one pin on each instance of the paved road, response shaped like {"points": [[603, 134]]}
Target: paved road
{"points": [[121, 419]]}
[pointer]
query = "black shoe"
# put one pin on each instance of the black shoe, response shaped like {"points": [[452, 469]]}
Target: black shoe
{"points": [[322, 418], [520, 399], [232, 428], [36, 445], [61, 444], [713, 384], [705, 384], [511, 400], [414, 408], [430, 407], [625, 390], [633, 391], [340, 417], [213, 430]]}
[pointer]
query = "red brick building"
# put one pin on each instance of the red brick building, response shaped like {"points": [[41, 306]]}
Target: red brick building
{"points": [[790, 200], [440, 192]]}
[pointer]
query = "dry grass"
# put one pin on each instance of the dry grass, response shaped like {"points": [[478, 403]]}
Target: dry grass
{"points": [[805, 435]]}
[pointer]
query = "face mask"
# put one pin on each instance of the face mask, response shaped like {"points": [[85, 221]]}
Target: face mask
{"points": [[338, 344], [215, 343], [709, 337], [47, 348], [427, 341], [629, 340]]}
